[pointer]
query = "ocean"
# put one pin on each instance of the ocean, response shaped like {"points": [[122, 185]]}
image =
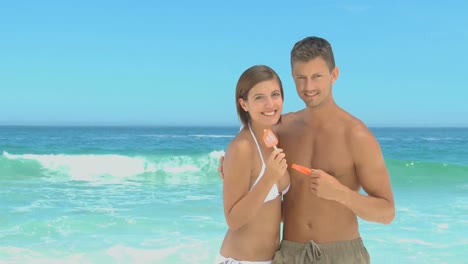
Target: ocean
{"points": [[153, 195]]}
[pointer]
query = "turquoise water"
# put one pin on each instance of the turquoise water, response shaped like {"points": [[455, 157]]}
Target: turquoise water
{"points": [[153, 195]]}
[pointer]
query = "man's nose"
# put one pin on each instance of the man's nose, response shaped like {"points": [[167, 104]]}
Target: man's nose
{"points": [[309, 84]]}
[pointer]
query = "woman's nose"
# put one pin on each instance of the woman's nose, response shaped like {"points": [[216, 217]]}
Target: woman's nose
{"points": [[269, 102]]}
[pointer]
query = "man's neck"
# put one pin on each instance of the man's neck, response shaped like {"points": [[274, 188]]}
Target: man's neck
{"points": [[320, 114]]}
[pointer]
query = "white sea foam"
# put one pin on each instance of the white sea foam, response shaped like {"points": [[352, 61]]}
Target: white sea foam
{"points": [[28, 208], [217, 154], [114, 254], [440, 138], [179, 169], [125, 254], [110, 168], [419, 242], [385, 139], [88, 167], [443, 226], [163, 136], [213, 136]]}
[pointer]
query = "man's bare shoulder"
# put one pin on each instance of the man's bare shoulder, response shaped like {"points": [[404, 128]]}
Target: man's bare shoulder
{"points": [[287, 121], [291, 116], [358, 132], [352, 125]]}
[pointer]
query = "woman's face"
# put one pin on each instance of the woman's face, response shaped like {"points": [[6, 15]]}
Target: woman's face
{"points": [[264, 103]]}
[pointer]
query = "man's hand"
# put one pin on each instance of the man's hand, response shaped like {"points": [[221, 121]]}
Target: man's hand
{"points": [[220, 167], [326, 186]]}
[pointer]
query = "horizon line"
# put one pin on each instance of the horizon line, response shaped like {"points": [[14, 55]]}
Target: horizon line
{"points": [[197, 126]]}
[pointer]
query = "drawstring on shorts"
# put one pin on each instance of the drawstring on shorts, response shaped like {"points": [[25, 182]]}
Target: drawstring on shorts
{"points": [[312, 251]]}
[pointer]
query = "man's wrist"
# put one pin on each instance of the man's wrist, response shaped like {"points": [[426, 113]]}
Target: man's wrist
{"points": [[344, 195]]}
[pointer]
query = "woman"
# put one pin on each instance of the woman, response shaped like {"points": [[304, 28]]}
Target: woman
{"points": [[255, 176]]}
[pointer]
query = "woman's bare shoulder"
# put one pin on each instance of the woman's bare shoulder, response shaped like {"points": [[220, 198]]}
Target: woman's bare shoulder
{"points": [[239, 146]]}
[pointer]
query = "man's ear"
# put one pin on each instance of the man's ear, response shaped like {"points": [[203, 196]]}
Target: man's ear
{"points": [[243, 104], [335, 72]]}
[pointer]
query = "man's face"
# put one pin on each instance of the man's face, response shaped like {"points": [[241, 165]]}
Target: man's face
{"points": [[314, 81]]}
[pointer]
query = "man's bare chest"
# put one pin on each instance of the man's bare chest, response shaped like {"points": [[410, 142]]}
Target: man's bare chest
{"points": [[327, 153]]}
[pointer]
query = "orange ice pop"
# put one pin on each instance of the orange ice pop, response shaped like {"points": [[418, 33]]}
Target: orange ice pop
{"points": [[269, 138], [302, 169]]}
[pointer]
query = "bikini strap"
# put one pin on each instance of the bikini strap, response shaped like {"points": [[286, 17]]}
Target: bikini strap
{"points": [[256, 143], [261, 157]]}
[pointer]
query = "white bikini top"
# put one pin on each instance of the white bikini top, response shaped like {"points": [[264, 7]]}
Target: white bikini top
{"points": [[274, 192]]}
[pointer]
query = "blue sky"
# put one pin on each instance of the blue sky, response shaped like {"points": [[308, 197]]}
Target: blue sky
{"points": [[402, 63]]}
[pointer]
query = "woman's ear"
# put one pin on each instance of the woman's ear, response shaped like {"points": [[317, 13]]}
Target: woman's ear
{"points": [[243, 104]]}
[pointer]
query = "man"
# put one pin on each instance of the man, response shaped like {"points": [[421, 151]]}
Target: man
{"points": [[320, 210]]}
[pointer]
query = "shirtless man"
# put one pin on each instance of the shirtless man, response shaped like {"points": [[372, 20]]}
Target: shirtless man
{"points": [[320, 211], [321, 208]]}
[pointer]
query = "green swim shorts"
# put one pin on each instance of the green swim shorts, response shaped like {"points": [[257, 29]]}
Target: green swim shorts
{"points": [[342, 252]]}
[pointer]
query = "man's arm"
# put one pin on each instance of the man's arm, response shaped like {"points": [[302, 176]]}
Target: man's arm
{"points": [[378, 205], [220, 167]]}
